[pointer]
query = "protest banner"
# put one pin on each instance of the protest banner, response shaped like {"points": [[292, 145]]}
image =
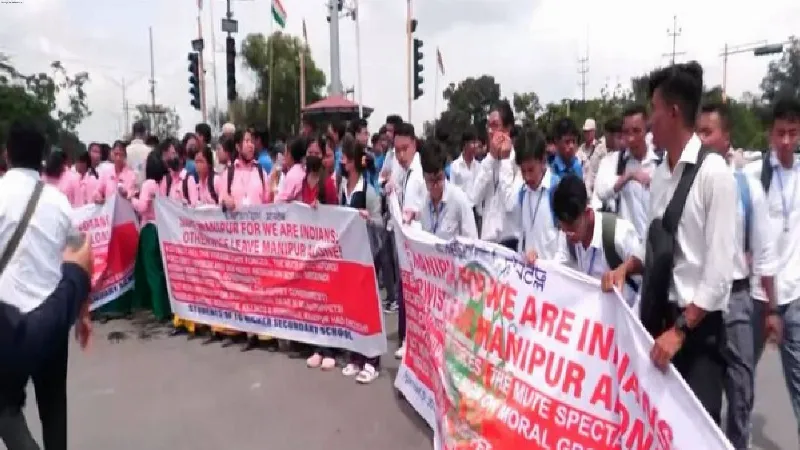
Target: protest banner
{"points": [[286, 270], [114, 233], [502, 355]]}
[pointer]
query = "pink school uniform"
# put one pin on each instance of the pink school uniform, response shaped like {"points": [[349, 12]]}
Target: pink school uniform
{"points": [[246, 186], [292, 185], [204, 193], [109, 181], [176, 188], [86, 188], [144, 203]]}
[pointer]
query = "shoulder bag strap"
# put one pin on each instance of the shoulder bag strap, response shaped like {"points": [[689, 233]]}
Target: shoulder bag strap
{"points": [[766, 171], [608, 224], [22, 226], [672, 215]]}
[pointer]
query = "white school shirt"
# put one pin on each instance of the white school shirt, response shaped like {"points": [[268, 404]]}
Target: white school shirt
{"points": [[534, 217], [783, 190], [703, 271], [634, 198], [592, 260], [463, 175], [452, 218], [494, 188], [34, 271], [409, 185], [762, 242]]}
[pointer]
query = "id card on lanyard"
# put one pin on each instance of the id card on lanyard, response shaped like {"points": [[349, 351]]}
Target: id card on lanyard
{"points": [[437, 213]]}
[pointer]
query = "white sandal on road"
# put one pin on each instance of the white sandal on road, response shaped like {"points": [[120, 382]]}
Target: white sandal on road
{"points": [[367, 375], [350, 370]]}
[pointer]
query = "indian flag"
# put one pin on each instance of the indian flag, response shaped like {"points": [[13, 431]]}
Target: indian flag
{"points": [[278, 13]]}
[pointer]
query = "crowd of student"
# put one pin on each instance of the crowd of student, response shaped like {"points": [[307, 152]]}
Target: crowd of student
{"points": [[702, 249]]}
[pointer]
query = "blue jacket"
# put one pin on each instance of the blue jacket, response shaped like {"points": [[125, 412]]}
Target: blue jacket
{"points": [[560, 168]]}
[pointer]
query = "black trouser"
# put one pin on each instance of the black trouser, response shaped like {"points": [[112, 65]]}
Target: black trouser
{"points": [[14, 431], [50, 384], [701, 361], [35, 344]]}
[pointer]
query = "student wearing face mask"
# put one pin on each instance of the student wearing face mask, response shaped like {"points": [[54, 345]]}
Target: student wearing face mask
{"points": [[356, 192], [172, 184]]}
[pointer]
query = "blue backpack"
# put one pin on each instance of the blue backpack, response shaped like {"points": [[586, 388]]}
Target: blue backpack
{"points": [[747, 205]]}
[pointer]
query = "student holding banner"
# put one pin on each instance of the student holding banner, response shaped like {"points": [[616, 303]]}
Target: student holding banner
{"points": [[244, 183], [150, 291], [356, 192], [447, 213]]}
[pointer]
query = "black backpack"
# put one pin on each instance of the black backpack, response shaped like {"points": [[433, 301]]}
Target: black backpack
{"points": [[659, 260], [211, 189], [230, 177]]}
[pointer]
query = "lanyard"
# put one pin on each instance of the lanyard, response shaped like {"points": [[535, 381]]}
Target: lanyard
{"points": [[405, 185], [786, 206], [496, 178], [436, 216], [532, 213], [591, 261]]}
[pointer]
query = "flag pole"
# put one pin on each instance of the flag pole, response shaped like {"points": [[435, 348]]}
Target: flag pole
{"points": [[357, 17], [271, 76], [435, 97], [303, 50]]}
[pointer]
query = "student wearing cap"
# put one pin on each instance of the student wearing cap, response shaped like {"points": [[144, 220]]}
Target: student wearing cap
{"points": [[590, 153]]}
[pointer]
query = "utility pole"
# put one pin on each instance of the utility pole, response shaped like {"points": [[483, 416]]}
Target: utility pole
{"points": [[202, 71], [583, 70], [409, 44], [125, 107], [152, 73], [674, 33], [215, 119], [152, 85], [335, 87]]}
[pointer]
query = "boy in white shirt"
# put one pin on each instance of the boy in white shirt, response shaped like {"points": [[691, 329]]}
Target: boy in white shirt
{"points": [[447, 212], [498, 225], [595, 242], [532, 194]]}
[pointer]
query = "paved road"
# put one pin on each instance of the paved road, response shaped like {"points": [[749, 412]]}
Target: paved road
{"points": [[168, 393]]}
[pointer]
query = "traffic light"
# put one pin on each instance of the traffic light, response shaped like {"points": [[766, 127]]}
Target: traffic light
{"points": [[194, 79], [230, 53], [768, 50], [418, 79]]}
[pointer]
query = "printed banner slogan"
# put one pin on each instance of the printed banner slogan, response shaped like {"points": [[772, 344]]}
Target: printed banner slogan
{"points": [[114, 232], [288, 271], [501, 355]]}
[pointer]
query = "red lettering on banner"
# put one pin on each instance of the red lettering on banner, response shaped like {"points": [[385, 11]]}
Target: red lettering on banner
{"points": [[92, 223], [555, 322], [435, 267]]}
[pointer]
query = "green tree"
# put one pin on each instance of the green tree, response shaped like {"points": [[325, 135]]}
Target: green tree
{"points": [[468, 104], [783, 76], [527, 107], [159, 120], [285, 78], [35, 97]]}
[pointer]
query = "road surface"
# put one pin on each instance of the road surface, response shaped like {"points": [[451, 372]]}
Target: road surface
{"points": [[166, 393]]}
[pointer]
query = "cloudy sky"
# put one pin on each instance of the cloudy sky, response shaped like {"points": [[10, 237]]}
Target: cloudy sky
{"points": [[526, 44]]}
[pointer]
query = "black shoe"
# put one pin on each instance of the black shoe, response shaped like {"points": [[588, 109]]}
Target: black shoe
{"points": [[212, 338], [250, 344], [176, 332]]}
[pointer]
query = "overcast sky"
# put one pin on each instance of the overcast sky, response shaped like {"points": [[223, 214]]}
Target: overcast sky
{"points": [[525, 44]]}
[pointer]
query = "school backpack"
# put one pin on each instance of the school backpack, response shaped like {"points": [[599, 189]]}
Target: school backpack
{"points": [[231, 169]]}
